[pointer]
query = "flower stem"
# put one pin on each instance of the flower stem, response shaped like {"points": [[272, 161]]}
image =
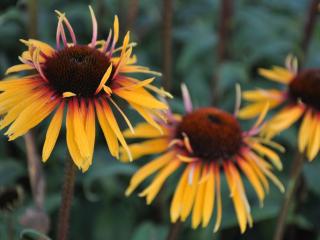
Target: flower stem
{"points": [[224, 32], [167, 44], [295, 173], [132, 14], [67, 196], [174, 231], [309, 26]]}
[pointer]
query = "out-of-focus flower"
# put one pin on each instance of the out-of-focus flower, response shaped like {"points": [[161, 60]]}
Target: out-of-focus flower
{"points": [[298, 100], [205, 143]]}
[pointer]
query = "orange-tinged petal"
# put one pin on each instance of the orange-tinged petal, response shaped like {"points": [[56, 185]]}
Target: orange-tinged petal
{"points": [[71, 143], [80, 133], [109, 135], [90, 128], [52, 133]]}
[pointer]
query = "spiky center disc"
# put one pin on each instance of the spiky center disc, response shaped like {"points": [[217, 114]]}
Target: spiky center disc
{"points": [[214, 135], [77, 69], [305, 87]]}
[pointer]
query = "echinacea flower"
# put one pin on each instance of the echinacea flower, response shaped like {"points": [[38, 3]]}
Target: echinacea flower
{"points": [[205, 143], [298, 99], [84, 80]]}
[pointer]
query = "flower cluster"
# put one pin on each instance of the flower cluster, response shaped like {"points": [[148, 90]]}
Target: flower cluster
{"points": [[79, 84]]}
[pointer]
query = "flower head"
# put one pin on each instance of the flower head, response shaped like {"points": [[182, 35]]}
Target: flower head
{"points": [[299, 99], [205, 143], [84, 80]]}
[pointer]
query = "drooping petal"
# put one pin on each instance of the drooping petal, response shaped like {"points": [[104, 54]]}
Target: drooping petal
{"points": [[152, 190], [209, 198], [52, 133], [190, 190], [71, 143], [314, 139], [148, 170], [304, 131], [109, 135], [177, 200]]}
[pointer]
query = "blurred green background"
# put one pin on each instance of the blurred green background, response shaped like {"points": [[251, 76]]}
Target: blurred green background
{"points": [[262, 34]]}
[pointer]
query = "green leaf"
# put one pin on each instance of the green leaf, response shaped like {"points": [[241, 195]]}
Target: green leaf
{"points": [[31, 234]]}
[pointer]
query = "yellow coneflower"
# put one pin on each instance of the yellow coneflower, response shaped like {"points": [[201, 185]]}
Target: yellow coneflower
{"points": [[298, 100], [84, 80], [205, 142]]}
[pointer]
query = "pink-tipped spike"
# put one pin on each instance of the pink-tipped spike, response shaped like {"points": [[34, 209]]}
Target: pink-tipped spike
{"points": [[107, 43], [63, 36], [70, 29], [58, 33], [94, 28], [238, 100], [186, 98]]}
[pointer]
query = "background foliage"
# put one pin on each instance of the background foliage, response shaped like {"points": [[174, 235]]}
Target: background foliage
{"points": [[263, 33]]}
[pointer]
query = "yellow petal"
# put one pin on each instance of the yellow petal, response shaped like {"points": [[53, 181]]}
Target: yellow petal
{"points": [[277, 74], [152, 190], [219, 201], [116, 29], [176, 204], [190, 191], [19, 68], [52, 133], [251, 110], [148, 170], [90, 128], [197, 212], [104, 79], [208, 198], [264, 151], [147, 116], [109, 135], [304, 131], [282, 120], [71, 143], [31, 116], [115, 127], [144, 130], [314, 140], [80, 133], [143, 100], [262, 95], [253, 179]]}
